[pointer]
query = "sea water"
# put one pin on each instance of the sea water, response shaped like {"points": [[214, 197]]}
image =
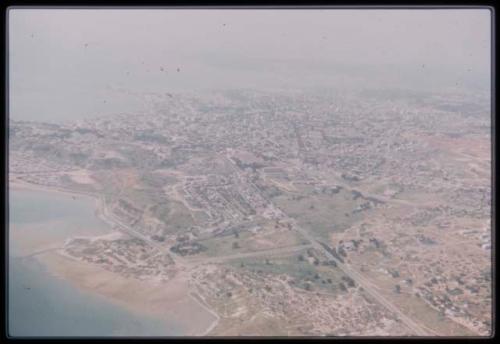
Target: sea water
{"points": [[41, 304]]}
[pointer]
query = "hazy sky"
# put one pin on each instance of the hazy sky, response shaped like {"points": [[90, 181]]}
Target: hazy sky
{"points": [[66, 63]]}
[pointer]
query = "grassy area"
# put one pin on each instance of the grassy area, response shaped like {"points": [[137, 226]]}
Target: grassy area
{"points": [[200, 217], [305, 275], [176, 217], [247, 241], [157, 180], [322, 214], [421, 312], [225, 245], [142, 198]]}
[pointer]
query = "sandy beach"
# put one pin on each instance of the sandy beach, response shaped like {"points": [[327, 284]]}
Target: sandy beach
{"points": [[166, 300], [170, 300]]}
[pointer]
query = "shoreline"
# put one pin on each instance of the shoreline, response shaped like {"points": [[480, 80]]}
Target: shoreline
{"points": [[19, 184], [144, 296], [169, 302]]}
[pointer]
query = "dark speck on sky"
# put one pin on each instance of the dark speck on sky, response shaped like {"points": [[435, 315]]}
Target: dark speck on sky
{"points": [[298, 46]]}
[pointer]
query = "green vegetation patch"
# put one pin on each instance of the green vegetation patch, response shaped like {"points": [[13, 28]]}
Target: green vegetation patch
{"points": [[228, 244], [304, 275], [156, 180], [323, 214], [247, 241], [176, 217]]}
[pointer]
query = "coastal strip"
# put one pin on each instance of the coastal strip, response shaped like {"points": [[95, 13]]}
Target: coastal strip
{"points": [[147, 297]]}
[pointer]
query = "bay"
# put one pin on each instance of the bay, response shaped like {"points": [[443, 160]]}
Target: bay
{"points": [[43, 305]]}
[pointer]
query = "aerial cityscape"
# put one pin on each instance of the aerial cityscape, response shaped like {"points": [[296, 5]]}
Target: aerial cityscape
{"points": [[250, 212]]}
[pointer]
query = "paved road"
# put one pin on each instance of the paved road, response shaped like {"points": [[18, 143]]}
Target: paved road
{"points": [[126, 228], [367, 286], [356, 276]]}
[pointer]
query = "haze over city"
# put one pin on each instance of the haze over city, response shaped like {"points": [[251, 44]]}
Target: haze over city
{"points": [[253, 172], [81, 55]]}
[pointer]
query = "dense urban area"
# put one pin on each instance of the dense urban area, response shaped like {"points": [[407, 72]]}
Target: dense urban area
{"points": [[354, 213]]}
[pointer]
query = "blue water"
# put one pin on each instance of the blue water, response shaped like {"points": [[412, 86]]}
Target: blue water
{"points": [[30, 206], [41, 304]]}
